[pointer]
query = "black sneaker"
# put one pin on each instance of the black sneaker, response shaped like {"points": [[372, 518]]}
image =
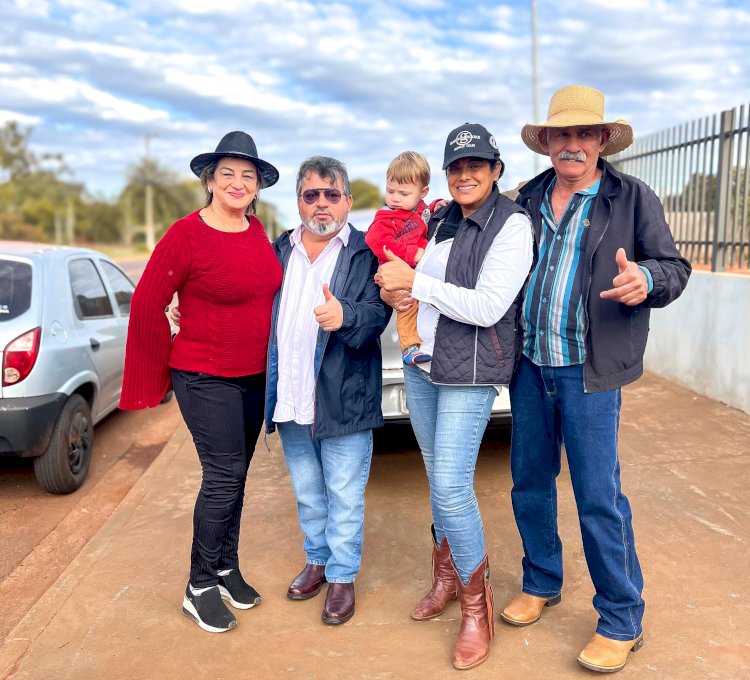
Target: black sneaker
{"points": [[241, 595], [208, 611]]}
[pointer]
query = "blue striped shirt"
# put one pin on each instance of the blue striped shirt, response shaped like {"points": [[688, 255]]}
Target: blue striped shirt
{"points": [[554, 320]]}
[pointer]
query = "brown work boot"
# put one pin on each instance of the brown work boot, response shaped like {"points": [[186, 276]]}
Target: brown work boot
{"points": [[608, 656], [339, 606], [444, 583], [525, 609], [477, 627], [307, 583]]}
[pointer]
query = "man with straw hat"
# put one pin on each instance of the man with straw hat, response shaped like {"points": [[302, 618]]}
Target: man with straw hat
{"points": [[605, 258]]}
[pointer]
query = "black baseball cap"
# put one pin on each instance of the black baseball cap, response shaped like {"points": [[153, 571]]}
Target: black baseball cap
{"points": [[470, 139]]}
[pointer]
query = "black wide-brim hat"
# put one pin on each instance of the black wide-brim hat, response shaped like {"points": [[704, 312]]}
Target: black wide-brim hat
{"points": [[237, 144]]}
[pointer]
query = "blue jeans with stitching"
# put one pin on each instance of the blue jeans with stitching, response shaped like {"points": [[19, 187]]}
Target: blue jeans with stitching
{"points": [[550, 408], [329, 478], [449, 422]]}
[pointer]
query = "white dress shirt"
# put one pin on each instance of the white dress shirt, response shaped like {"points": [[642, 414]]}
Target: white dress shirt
{"points": [[297, 329]]}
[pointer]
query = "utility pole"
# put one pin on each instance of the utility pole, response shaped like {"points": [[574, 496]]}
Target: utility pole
{"points": [[149, 225], [70, 223], [58, 227], [535, 76]]}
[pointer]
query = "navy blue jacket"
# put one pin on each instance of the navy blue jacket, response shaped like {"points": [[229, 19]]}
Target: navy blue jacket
{"points": [[347, 363], [626, 214]]}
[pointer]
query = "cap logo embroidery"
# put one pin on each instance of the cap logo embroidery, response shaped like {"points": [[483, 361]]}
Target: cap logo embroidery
{"points": [[464, 140], [493, 143]]}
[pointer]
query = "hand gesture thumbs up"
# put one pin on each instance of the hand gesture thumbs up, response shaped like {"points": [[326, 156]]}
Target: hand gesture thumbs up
{"points": [[394, 274], [329, 315], [630, 286]]}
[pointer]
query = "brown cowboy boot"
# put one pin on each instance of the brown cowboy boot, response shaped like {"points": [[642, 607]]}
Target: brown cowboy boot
{"points": [[477, 626], [444, 583]]}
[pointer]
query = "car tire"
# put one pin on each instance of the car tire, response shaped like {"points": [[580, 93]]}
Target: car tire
{"points": [[63, 467]]}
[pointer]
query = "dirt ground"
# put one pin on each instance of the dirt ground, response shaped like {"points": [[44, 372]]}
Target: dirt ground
{"points": [[115, 612], [41, 533]]}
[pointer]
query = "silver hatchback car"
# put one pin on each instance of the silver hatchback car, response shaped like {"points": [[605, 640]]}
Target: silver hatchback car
{"points": [[63, 325]]}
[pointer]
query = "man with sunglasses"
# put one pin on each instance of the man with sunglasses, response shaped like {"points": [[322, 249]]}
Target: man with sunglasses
{"points": [[325, 380]]}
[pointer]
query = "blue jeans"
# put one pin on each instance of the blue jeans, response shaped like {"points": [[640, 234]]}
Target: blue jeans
{"points": [[550, 408], [448, 422], [329, 478]]}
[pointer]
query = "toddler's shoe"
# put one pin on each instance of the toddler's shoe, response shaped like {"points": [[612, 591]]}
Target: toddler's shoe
{"points": [[414, 355]]}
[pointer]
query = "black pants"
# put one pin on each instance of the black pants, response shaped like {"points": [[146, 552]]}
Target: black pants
{"points": [[224, 416]]}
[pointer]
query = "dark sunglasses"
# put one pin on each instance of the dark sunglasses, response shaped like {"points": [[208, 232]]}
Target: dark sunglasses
{"points": [[332, 196]]}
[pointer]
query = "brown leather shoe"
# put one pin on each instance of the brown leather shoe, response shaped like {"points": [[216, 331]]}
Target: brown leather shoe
{"points": [[339, 606], [525, 609], [608, 656], [308, 582], [444, 586], [477, 627]]}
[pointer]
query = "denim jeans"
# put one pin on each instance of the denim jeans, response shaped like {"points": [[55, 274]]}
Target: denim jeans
{"points": [[224, 415], [329, 479], [448, 422], [550, 408]]}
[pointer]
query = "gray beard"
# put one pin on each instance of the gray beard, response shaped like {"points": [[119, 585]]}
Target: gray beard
{"points": [[324, 228]]}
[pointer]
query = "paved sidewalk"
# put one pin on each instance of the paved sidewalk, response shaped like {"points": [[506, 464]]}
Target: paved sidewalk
{"points": [[115, 612]]}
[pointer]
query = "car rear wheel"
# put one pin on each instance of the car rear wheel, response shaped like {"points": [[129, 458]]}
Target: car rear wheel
{"points": [[63, 467]]}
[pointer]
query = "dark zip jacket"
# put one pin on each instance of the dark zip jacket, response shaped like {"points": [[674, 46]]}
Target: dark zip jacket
{"points": [[347, 363], [627, 214]]}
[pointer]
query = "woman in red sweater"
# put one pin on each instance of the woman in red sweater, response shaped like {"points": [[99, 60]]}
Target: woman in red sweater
{"points": [[222, 266]]}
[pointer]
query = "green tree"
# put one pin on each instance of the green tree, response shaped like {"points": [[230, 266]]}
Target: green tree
{"points": [[12, 227], [15, 157], [365, 195], [172, 198], [269, 216], [33, 189]]}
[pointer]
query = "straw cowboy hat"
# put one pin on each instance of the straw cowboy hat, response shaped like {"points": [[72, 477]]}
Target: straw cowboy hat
{"points": [[237, 144], [579, 105]]}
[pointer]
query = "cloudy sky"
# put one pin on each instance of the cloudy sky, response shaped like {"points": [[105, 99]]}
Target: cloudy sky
{"points": [[359, 80]]}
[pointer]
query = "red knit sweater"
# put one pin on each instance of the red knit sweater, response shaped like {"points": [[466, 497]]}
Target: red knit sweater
{"points": [[226, 283]]}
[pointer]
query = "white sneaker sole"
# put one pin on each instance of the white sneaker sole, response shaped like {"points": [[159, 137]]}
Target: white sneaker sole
{"points": [[237, 605], [189, 610]]}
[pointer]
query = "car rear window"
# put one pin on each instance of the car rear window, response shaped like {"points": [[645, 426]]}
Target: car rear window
{"points": [[15, 289]]}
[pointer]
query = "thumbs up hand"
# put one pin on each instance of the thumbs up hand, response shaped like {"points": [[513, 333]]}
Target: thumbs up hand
{"points": [[630, 286], [394, 274], [329, 315]]}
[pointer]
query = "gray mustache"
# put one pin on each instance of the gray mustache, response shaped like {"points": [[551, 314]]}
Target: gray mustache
{"points": [[570, 156]]}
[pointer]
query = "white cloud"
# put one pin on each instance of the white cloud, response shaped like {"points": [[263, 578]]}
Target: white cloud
{"points": [[21, 118], [362, 80]]}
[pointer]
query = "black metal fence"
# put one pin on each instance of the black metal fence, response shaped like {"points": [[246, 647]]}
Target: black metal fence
{"points": [[701, 172]]}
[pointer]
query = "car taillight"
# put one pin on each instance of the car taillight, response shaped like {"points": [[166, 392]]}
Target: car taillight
{"points": [[19, 357]]}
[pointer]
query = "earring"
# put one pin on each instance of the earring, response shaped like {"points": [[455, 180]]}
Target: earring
{"points": [[209, 189]]}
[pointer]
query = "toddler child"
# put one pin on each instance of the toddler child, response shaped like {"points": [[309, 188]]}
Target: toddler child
{"points": [[401, 227]]}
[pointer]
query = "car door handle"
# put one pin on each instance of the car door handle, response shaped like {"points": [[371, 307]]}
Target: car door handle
{"points": [[95, 344]]}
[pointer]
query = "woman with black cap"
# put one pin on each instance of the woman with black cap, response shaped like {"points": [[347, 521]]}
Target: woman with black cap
{"points": [[468, 285], [222, 266]]}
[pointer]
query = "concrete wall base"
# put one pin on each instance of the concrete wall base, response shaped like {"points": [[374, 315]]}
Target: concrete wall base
{"points": [[702, 340]]}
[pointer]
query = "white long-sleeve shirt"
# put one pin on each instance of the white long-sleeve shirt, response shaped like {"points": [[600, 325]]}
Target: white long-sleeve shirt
{"points": [[504, 271], [297, 329]]}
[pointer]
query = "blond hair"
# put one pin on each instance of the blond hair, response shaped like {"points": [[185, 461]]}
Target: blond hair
{"points": [[409, 167]]}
